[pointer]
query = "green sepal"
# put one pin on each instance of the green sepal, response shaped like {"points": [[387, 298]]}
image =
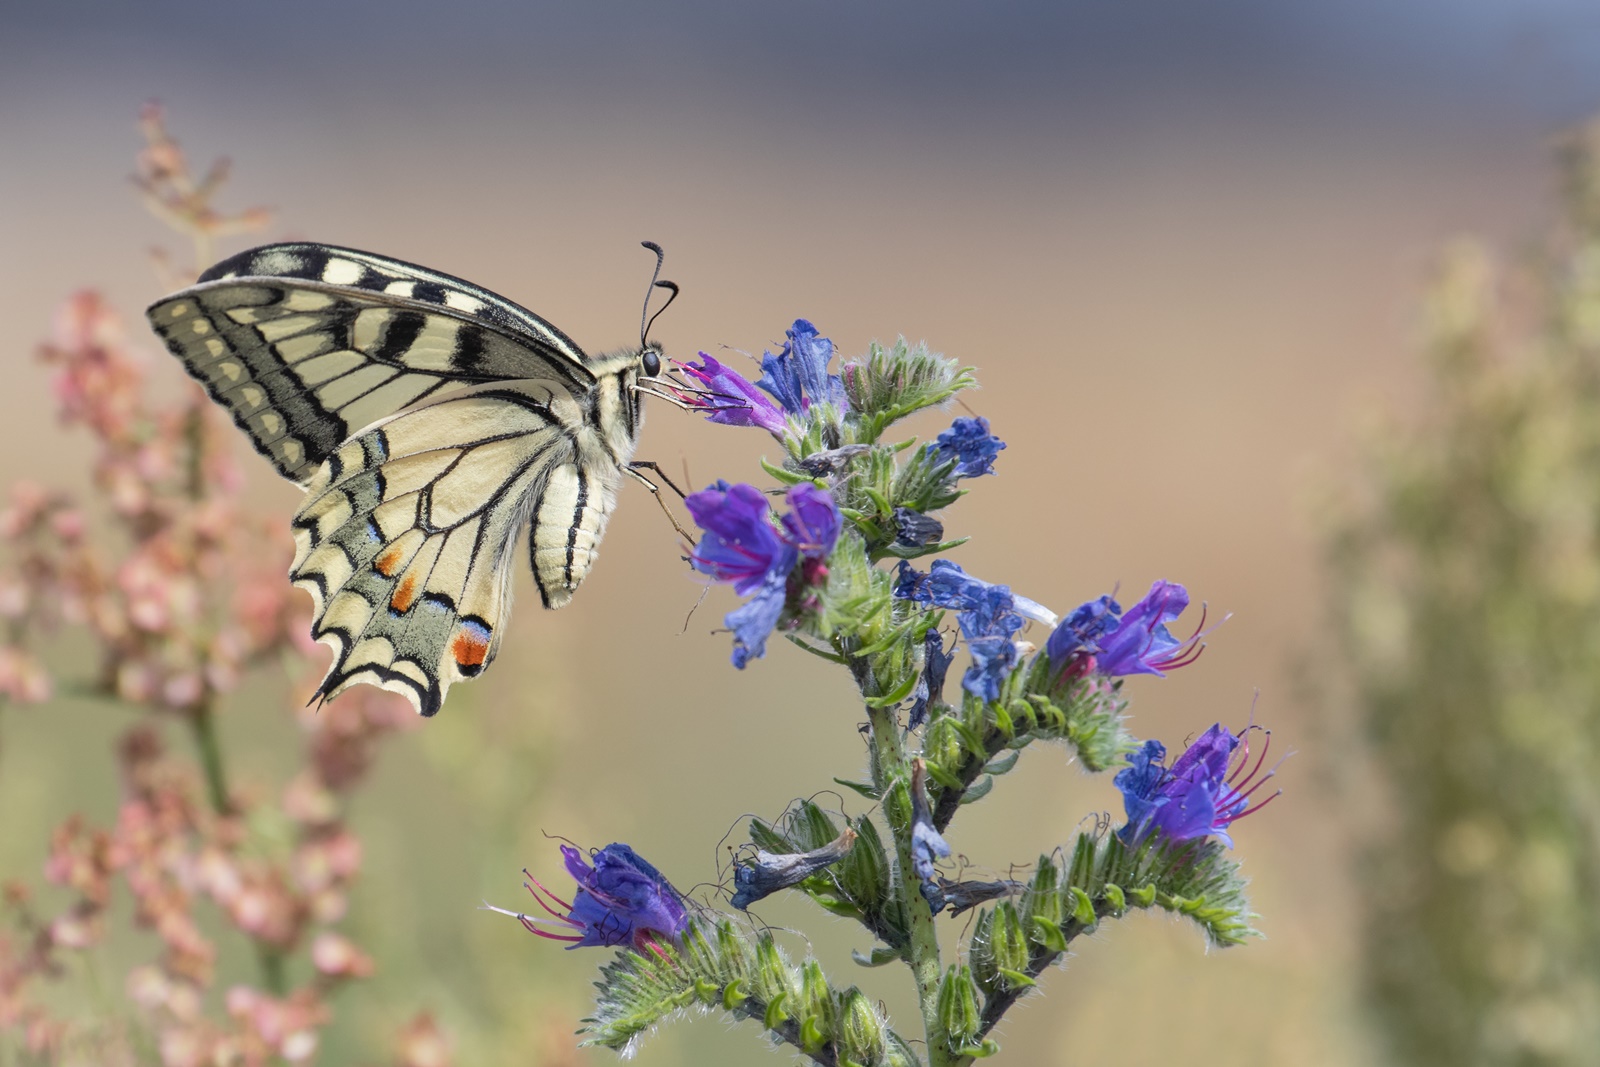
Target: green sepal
{"points": [[1017, 979], [879, 957], [776, 1013], [1116, 902], [894, 696], [734, 994], [866, 789], [811, 1036], [979, 1052], [1142, 896], [942, 776], [784, 475], [895, 550], [1082, 907], [1049, 935]]}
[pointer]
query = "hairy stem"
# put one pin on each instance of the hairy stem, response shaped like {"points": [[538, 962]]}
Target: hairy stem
{"points": [[922, 951]]}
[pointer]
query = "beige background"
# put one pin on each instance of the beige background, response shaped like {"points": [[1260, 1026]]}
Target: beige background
{"points": [[1185, 253]]}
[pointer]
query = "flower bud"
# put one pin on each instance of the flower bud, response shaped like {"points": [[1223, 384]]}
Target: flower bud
{"points": [[1009, 944], [861, 1039], [958, 1007], [1042, 907], [816, 1010]]}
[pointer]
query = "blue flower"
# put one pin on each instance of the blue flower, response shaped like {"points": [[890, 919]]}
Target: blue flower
{"points": [[798, 375], [927, 847], [621, 900], [730, 397], [971, 445], [994, 657], [766, 872], [1097, 637], [930, 687], [742, 546], [989, 615], [1201, 795]]}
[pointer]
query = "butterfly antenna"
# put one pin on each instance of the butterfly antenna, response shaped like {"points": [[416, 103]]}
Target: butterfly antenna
{"points": [[646, 320]]}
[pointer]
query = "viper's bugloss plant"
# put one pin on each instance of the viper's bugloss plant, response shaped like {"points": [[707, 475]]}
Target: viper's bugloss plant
{"points": [[823, 558]]}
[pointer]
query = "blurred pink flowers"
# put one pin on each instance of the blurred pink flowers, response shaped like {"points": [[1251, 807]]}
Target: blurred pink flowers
{"points": [[172, 594]]}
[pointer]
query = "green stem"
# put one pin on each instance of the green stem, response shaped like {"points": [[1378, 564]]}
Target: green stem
{"points": [[203, 722], [922, 952]]}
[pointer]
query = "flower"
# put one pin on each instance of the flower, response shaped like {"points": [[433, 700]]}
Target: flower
{"points": [[1198, 796], [621, 900], [994, 657], [730, 397], [930, 687], [1098, 637], [971, 445], [798, 375], [989, 615], [927, 846], [743, 547], [767, 872]]}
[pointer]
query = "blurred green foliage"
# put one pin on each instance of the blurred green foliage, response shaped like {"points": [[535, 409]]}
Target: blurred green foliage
{"points": [[1467, 599]]}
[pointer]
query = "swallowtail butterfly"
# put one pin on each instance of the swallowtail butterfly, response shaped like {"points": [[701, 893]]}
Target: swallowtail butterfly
{"points": [[429, 421]]}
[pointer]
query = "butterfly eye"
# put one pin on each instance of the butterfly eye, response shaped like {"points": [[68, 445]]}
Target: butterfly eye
{"points": [[652, 363]]}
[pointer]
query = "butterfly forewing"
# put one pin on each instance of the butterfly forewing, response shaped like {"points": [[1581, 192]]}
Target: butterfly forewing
{"points": [[429, 420], [305, 345]]}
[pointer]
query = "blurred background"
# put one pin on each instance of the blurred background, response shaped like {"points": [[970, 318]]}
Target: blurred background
{"points": [[1188, 249]]}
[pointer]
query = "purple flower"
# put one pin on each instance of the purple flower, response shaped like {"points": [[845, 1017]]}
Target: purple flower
{"points": [[621, 900], [813, 523], [971, 445], [742, 546], [1099, 638], [729, 397], [1204, 792], [1141, 643], [798, 375]]}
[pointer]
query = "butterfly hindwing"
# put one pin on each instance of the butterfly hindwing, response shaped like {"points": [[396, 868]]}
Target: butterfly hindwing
{"points": [[405, 537], [307, 344]]}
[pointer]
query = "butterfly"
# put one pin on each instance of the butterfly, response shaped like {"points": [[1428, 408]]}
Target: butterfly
{"points": [[428, 421]]}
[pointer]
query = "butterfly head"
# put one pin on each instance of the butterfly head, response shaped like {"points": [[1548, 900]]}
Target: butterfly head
{"points": [[650, 359]]}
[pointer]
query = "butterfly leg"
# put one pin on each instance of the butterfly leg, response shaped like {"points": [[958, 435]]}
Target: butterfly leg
{"points": [[655, 490]]}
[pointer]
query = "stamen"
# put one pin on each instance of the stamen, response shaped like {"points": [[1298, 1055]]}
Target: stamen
{"points": [[529, 924], [1246, 758], [547, 892]]}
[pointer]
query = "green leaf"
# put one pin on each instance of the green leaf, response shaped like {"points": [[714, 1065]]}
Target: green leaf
{"points": [[977, 790], [880, 956], [866, 789]]}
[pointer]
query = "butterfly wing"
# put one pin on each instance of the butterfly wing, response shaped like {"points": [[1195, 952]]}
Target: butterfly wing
{"points": [[306, 344], [406, 532]]}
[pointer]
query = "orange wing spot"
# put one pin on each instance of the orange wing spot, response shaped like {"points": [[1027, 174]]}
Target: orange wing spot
{"points": [[469, 648], [405, 596], [389, 562]]}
